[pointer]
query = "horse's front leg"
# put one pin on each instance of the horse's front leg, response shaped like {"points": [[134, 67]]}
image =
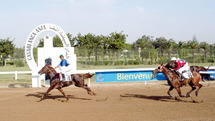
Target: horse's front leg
{"points": [[170, 89], [46, 93]]}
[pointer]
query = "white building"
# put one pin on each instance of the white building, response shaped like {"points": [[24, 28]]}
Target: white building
{"points": [[50, 55]]}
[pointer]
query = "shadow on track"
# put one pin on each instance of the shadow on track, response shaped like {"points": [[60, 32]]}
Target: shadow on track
{"points": [[53, 97], [157, 98]]}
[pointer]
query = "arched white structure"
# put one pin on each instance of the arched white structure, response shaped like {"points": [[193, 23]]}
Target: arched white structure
{"points": [[33, 35], [30, 43]]}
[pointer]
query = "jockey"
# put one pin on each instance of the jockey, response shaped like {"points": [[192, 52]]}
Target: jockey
{"points": [[182, 66], [63, 66], [173, 59]]}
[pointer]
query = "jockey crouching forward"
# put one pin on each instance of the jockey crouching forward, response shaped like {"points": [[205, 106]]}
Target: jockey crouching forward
{"points": [[182, 67], [64, 67]]}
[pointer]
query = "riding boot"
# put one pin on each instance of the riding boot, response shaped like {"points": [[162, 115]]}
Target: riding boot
{"points": [[181, 79], [60, 76]]}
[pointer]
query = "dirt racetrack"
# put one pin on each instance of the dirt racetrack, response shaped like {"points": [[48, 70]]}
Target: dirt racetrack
{"points": [[113, 102]]}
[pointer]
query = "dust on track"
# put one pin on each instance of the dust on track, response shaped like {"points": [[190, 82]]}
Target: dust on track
{"points": [[113, 102]]}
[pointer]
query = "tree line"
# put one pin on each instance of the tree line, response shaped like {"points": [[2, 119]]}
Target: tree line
{"points": [[143, 49], [147, 46]]}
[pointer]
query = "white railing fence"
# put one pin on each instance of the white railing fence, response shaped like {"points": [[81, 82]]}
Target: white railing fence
{"points": [[93, 71], [16, 73]]}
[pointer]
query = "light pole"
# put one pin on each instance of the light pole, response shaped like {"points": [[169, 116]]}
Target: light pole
{"points": [[1, 59], [139, 51]]}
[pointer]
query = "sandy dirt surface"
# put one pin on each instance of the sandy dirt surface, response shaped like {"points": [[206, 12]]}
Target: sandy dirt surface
{"points": [[113, 102]]}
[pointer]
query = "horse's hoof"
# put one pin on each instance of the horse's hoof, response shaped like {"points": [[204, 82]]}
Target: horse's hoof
{"points": [[177, 99], [67, 100], [187, 96], [91, 93], [39, 100]]}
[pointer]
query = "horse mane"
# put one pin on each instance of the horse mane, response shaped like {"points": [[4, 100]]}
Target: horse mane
{"points": [[167, 69], [51, 68]]}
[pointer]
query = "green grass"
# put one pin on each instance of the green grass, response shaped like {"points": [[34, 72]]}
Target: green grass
{"points": [[12, 68], [91, 67], [6, 79]]}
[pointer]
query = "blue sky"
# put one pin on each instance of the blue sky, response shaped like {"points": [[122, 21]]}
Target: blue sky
{"points": [[176, 19]]}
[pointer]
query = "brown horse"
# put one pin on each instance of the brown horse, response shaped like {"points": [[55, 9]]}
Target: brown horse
{"points": [[172, 64], [76, 79], [198, 68], [174, 81]]}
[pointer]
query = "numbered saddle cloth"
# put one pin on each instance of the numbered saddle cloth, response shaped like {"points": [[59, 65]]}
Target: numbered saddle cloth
{"points": [[67, 77], [187, 74]]}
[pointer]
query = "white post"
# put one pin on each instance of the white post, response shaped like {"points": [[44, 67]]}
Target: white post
{"points": [[36, 82], [89, 82], [145, 82], [15, 75]]}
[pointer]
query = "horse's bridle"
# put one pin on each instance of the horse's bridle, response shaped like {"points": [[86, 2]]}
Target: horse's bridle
{"points": [[159, 68], [45, 67]]}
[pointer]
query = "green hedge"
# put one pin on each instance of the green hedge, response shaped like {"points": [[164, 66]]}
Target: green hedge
{"points": [[107, 62], [19, 63]]}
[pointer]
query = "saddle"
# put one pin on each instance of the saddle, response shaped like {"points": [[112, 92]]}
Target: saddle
{"points": [[186, 74], [64, 77]]}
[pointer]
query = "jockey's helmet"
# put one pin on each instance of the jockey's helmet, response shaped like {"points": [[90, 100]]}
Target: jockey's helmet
{"points": [[173, 59], [177, 59], [61, 55]]}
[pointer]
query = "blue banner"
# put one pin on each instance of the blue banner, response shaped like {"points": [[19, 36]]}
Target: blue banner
{"points": [[120, 76]]}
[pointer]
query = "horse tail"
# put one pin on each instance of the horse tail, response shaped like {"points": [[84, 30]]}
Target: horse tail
{"points": [[205, 81], [208, 67], [92, 75], [88, 75]]}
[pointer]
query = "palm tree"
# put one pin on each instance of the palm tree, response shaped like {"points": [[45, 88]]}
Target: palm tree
{"points": [[160, 43], [193, 45], [143, 43], [205, 46], [169, 46], [181, 47]]}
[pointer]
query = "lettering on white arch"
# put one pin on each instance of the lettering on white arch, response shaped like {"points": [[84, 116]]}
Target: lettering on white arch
{"points": [[32, 37]]}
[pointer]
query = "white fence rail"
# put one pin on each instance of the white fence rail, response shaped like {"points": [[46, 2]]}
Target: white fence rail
{"points": [[16, 73], [93, 71]]}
